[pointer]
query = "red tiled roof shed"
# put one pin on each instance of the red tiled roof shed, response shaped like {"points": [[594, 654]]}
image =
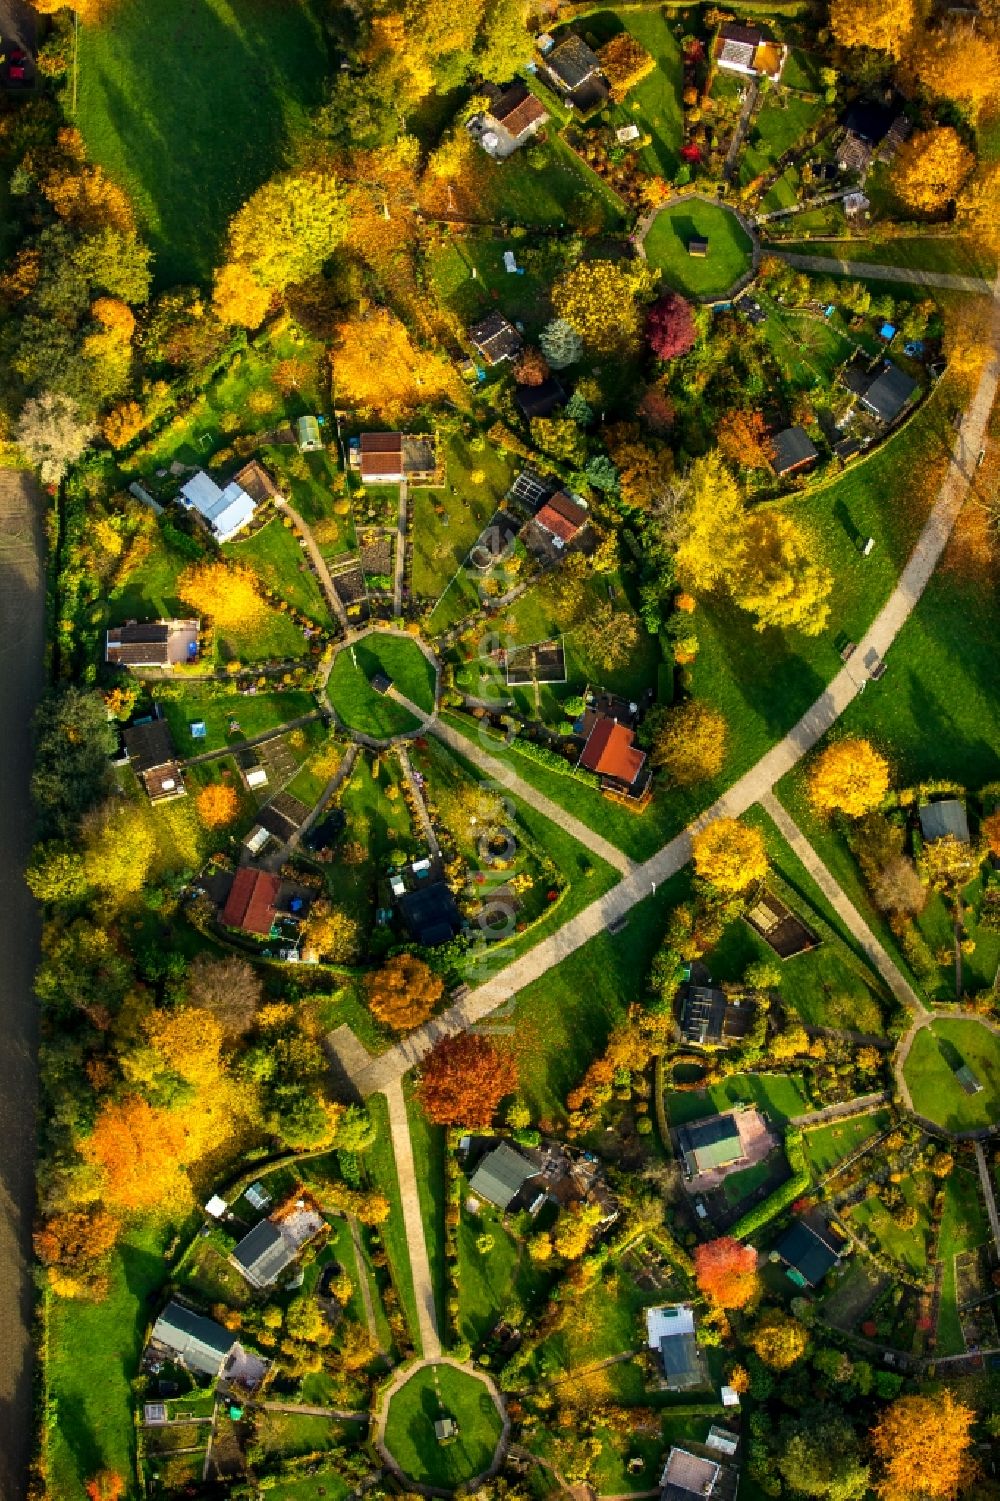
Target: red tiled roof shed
{"points": [[610, 752], [251, 902]]}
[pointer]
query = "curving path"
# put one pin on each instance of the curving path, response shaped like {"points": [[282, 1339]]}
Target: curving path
{"points": [[379, 1073], [333, 599]]}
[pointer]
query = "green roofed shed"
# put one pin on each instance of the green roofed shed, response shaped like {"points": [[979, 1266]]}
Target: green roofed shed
{"points": [[710, 1144], [199, 1344], [308, 435], [501, 1175], [967, 1079]]}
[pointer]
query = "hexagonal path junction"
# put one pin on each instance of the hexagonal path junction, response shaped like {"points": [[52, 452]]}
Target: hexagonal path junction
{"points": [[441, 1425]]}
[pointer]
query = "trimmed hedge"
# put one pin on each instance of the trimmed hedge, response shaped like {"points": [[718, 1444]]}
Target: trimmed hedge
{"points": [[794, 1188], [552, 761]]}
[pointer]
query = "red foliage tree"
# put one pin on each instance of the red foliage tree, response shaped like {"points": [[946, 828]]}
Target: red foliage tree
{"points": [[726, 1272], [108, 1485], [464, 1080], [532, 368], [670, 327]]}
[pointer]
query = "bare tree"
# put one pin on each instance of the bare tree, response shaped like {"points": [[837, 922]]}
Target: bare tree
{"points": [[229, 988]]}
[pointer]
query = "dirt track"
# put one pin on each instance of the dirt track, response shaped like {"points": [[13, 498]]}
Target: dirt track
{"points": [[22, 624]]}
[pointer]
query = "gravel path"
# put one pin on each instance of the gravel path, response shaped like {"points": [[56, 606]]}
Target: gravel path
{"points": [[382, 1072], [22, 625], [843, 906], [333, 599], [423, 1286], [871, 271]]}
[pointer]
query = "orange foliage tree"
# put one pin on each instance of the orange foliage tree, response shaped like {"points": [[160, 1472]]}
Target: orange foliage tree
{"points": [[931, 168], [991, 833], [140, 1152], [743, 439], [849, 777], [726, 1272], [624, 63], [404, 992], [378, 368], [923, 1446], [464, 1080], [107, 1485], [217, 804], [73, 1247], [228, 595]]}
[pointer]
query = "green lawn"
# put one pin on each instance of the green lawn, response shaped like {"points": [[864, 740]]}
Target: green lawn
{"points": [[808, 349], [728, 250], [307, 1487], [562, 1021], [611, 1475], [607, 1320], [274, 553], [256, 714], [491, 1282], [936, 1052], [910, 1248], [192, 104], [434, 1392], [802, 70], [655, 103], [356, 701], [559, 193], [441, 542], [775, 130], [150, 593], [779, 1096], [828, 1145], [92, 1357], [377, 829], [739, 1186], [964, 1226]]}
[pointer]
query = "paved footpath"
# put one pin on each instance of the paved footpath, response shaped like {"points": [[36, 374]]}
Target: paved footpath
{"points": [[333, 599], [845, 909], [986, 1179], [22, 623], [423, 1286], [504, 773], [379, 1073], [833, 265]]}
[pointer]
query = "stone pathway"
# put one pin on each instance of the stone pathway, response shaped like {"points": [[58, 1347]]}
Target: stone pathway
{"points": [[397, 588], [333, 599], [872, 271], [864, 1104], [420, 801], [742, 126], [989, 1194], [843, 906], [503, 773], [381, 1072], [420, 1270]]}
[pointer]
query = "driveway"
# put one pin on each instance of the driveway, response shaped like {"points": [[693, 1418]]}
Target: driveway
{"points": [[21, 676]]}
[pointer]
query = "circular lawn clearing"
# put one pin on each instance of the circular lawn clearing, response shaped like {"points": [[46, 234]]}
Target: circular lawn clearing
{"points": [[930, 1072], [436, 1392], [359, 706], [730, 252]]}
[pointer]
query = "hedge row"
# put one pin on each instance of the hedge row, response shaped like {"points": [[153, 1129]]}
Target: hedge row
{"points": [[794, 1188], [552, 761]]}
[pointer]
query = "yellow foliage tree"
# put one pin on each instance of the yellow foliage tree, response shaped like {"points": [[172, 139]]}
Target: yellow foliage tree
{"points": [[729, 855], [140, 1153], [779, 1341], [968, 323], [602, 301], [979, 206], [777, 579], [380, 371], [189, 1040], [923, 1446], [332, 933], [624, 63], [931, 168], [948, 864], [707, 524], [288, 228], [228, 594], [574, 1229], [217, 804], [884, 25], [689, 743], [118, 846], [238, 298], [123, 423], [958, 62], [87, 199], [850, 777]]}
